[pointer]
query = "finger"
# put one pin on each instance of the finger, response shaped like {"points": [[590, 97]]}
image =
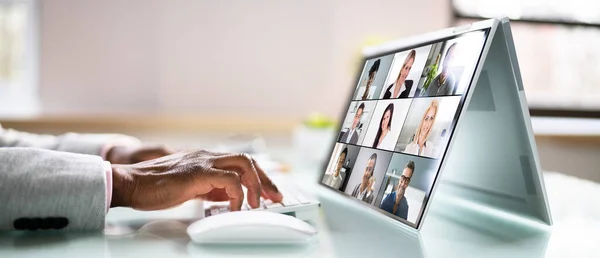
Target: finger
{"points": [[242, 164], [268, 187], [231, 183]]}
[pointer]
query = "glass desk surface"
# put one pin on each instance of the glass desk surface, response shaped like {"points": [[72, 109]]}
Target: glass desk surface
{"points": [[345, 230]]}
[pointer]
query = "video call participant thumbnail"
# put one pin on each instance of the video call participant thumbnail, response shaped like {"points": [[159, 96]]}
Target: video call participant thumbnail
{"points": [[372, 72], [352, 135], [393, 91], [336, 178], [420, 144], [372, 78], [395, 202], [383, 138], [445, 83], [361, 189], [340, 166], [426, 127], [369, 171], [386, 124]]}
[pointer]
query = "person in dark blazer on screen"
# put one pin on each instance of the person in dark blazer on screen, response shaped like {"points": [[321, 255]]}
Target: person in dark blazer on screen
{"points": [[401, 87], [351, 136]]}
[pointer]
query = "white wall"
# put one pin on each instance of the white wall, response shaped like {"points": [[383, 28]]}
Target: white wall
{"points": [[262, 57]]}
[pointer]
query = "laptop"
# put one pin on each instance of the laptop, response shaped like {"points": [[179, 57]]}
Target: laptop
{"points": [[466, 132], [468, 119]]}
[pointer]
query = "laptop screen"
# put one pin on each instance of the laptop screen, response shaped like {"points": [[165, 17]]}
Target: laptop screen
{"points": [[402, 114]]}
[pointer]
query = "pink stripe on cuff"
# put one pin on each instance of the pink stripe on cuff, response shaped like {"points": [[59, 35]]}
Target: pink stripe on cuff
{"points": [[109, 185]]}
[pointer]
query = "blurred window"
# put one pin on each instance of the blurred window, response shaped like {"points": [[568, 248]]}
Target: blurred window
{"points": [[18, 57], [572, 11], [557, 46], [12, 41]]}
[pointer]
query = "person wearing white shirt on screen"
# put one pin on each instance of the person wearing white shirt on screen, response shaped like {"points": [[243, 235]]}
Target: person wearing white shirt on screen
{"points": [[384, 138], [420, 145], [351, 136], [393, 91], [361, 190], [335, 179]]}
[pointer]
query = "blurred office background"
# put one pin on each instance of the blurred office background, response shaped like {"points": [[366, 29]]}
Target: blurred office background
{"points": [[262, 66]]}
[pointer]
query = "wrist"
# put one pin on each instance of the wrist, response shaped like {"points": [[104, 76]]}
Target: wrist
{"points": [[123, 185], [116, 154]]}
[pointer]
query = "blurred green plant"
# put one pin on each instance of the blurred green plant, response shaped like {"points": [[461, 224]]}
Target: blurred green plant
{"points": [[318, 120], [432, 71]]}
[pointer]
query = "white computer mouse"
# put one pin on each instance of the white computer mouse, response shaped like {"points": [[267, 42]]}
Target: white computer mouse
{"points": [[251, 227]]}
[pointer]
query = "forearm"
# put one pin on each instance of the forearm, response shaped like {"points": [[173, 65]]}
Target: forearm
{"points": [[42, 184]]}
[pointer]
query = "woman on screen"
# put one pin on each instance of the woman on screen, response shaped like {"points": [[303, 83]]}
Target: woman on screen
{"points": [[420, 145], [371, 79], [384, 139], [335, 179], [393, 91]]}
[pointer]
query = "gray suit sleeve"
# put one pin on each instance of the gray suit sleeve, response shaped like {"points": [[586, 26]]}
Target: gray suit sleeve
{"points": [[37, 183], [70, 142], [355, 191]]}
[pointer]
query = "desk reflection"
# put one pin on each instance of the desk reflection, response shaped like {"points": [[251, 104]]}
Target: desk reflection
{"points": [[449, 231], [481, 234], [346, 229], [354, 232], [170, 237], [52, 244]]}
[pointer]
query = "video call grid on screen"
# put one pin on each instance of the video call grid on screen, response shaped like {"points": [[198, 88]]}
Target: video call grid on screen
{"points": [[390, 153]]}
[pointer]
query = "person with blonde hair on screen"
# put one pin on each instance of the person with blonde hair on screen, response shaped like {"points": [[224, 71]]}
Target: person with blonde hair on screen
{"points": [[420, 145], [384, 138], [393, 91], [335, 179]]}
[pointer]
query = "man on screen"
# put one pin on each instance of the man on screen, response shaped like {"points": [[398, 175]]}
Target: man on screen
{"points": [[395, 202], [370, 194], [362, 189], [445, 83], [351, 136]]}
